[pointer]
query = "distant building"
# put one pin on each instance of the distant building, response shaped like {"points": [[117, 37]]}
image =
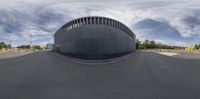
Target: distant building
{"points": [[49, 46], [94, 38]]}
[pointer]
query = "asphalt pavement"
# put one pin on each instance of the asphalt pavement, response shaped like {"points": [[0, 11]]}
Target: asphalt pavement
{"points": [[141, 75]]}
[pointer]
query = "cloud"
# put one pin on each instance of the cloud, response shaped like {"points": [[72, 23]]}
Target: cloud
{"points": [[169, 20], [161, 32], [188, 23]]}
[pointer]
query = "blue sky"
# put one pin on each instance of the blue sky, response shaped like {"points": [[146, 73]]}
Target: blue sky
{"points": [[168, 22]]}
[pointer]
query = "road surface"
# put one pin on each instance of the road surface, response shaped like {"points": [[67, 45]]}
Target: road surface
{"points": [[142, 75]]}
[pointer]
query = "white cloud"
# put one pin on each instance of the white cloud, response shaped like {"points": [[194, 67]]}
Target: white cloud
{"points": [[37, 16]]}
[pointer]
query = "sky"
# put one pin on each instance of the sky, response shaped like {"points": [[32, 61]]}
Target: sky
{"points": [[168, 22]]}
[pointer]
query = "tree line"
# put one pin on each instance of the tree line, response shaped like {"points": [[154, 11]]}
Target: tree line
{"points": [[197, 46], [7, 46], [34, 47], [151, 44], [4, 45]]}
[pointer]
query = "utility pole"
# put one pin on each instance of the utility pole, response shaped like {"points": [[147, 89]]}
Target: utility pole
{"points": [[9, 46], [10, 43], [30, 40]]}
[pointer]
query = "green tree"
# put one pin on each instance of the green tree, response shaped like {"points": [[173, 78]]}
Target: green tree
{"points": [[146, 44], [138, 44], [141, 46], [152, 44], [37, 47], [199, 45], [196, 46], [3, 45], [9, 46]]}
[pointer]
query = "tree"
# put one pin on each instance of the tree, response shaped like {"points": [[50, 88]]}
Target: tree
{"points": [[146, 44], [24, 47], [37, 47], [152, 44], [196, 46], [141, 46], [3, 45], [199, 45], [138, 43], [9, 46]]}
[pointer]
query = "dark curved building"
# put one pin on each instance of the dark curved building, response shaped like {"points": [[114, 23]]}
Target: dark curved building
{"points": [[94, 38]]}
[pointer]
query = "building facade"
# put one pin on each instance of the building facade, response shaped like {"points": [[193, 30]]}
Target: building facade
{"points": [[94, 37], [49, 46]]}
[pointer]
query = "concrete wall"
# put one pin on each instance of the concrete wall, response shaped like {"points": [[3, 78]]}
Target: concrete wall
{"points": [[94, 40]]}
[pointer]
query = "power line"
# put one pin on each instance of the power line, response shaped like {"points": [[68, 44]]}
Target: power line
{"points": [[29, 35]]}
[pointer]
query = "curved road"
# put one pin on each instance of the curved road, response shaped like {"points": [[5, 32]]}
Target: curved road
{"points": [[142, 75]]}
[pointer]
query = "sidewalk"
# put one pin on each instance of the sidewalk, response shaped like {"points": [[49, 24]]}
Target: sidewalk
{"points": [[5, 55], [183, 55]]}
